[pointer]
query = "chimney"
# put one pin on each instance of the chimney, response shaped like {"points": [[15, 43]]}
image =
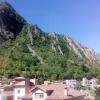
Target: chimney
{"points": [[65, 90], [27, 82], [27, 85]]}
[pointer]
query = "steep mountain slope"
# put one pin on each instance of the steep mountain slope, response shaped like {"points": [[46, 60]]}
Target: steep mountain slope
{"points": [[11, 23], [25, 50], [83, 51]]}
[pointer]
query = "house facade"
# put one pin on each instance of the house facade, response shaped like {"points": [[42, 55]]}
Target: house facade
{"points": [[26, 89], [19, 92], [39, 94], [92, 83], [6, 92], [22, 87], [71, 83]]}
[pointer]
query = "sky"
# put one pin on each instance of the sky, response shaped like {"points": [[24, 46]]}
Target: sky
{"points": [[78, 18]]}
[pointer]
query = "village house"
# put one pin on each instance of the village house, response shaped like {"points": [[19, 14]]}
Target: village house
{"points": [[6, 92], [53, 91], [26, 89], [22, 87], [16, 89], [71, 83], [92, 83]]}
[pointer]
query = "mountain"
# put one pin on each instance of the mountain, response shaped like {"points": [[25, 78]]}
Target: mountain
{"points": [[83, 51], [26, 50], [11, 22]]}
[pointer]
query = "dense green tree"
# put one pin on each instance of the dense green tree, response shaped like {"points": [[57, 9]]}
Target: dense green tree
{"points": [[17, 60], [98, 94]]}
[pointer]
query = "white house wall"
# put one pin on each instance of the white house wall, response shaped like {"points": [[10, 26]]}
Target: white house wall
{"points": [[16, 94], [39, 91], [2, 98]]}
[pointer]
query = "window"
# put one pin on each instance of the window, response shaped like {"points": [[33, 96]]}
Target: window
{"points": [[39, 95], [18, 91], [18, 98]]}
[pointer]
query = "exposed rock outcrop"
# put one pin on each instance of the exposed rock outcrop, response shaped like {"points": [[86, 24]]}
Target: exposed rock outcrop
{"points": [[11, 22]]}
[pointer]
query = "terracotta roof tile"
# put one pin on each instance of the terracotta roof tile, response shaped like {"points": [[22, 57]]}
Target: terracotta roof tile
{"points": [[22, 83], [6, 93], [58, 91]]}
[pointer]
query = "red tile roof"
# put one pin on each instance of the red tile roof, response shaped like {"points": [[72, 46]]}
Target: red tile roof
{"points": [[6, 93], [90, 98], [28, 96], [58, 91], [19, 78], [22, 83]]}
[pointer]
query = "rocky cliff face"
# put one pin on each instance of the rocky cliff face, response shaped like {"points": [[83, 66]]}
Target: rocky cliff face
{"points": [[79, 49], [83, 51], [11, 22]]}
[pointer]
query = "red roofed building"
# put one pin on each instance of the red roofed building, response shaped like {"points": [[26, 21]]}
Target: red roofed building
{"points": [[7, 95], [90, 98], [55, 91], [6, 92], [22, 88]]}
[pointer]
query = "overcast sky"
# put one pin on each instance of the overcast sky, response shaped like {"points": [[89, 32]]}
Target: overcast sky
{"points": [[78, 18]]}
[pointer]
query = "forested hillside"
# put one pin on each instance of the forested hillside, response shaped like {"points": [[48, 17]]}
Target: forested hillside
{"points": [[35, 53]]}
